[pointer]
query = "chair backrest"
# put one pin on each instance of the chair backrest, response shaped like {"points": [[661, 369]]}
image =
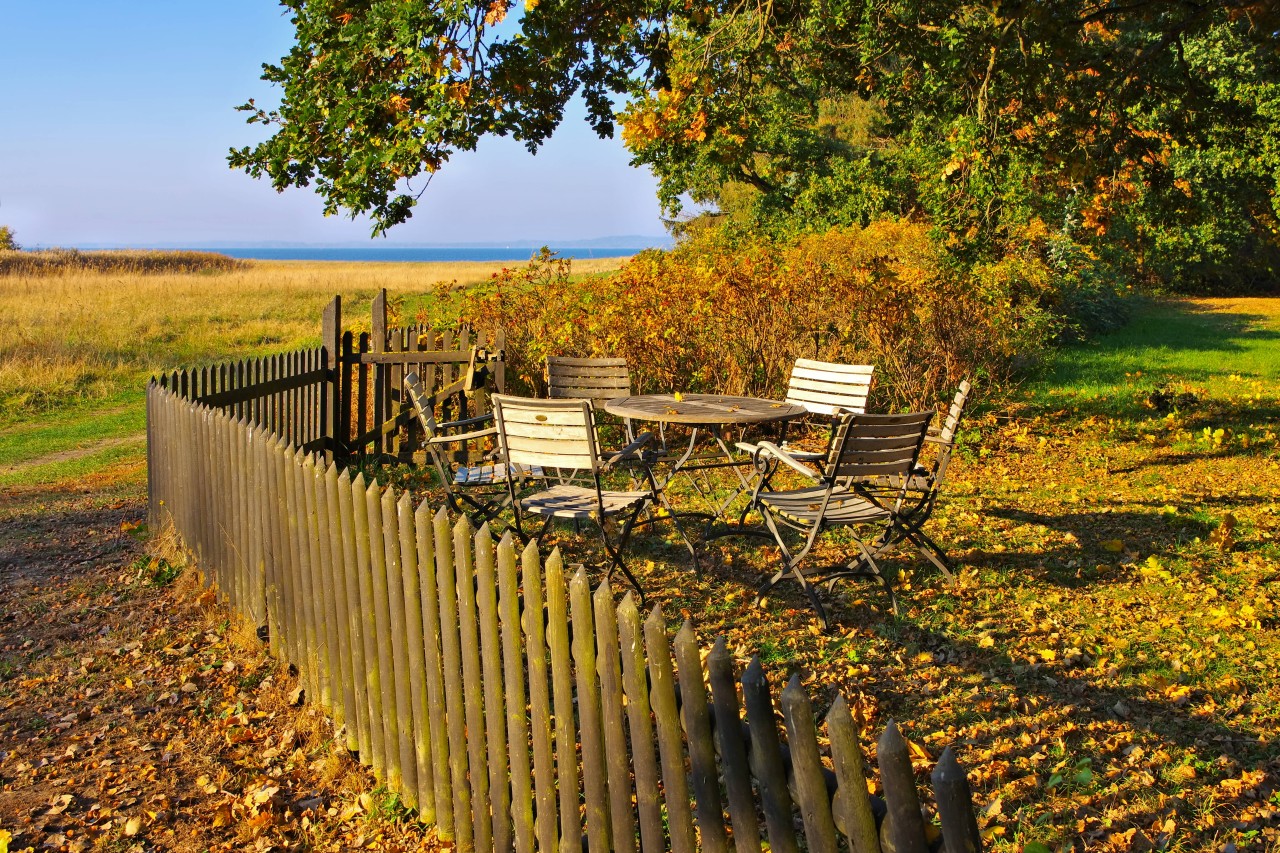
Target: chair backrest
{"points": [[549, 433], [823, 387], [947, 435], [594, 379], [421, 403], [874, 446]]}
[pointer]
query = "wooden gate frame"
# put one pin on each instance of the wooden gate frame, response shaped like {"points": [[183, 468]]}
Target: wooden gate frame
{"points": [[364, 409]]}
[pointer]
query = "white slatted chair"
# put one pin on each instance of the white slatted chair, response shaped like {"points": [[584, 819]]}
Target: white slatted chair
{"points": [[863, 448], [475, 483], [827, 389], [562, 434]]}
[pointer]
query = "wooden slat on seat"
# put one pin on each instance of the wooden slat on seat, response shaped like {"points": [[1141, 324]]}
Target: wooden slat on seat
{"points": [[496, 473], [567, 501], [805, 506]]}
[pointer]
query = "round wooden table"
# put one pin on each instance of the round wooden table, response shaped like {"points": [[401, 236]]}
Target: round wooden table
{"points": [[702, 409], [698, 411]]}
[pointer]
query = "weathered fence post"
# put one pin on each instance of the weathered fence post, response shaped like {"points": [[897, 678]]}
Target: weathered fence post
{"points": [[955, 806], [331, 388], [806, 769], [622, 820], [702, 756], [381, 387], [662, 698], [851, 807], [903, 828], [766, 759], [733, 751]]}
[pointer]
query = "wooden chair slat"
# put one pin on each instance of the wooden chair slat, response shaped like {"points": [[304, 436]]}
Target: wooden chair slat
{"points": [[810, 364]]}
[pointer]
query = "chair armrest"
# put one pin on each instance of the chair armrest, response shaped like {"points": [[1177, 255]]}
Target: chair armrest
{"points": [[631, 451], [463, 436], [768, 448], [478, 419], [936, 438]]}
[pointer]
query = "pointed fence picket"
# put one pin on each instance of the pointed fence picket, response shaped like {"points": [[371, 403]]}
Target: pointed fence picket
{"points": [[513, 706]]}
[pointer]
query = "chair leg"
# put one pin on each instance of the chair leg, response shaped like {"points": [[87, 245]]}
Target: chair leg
{"points": [[933, 553], [762, 592], [791, 565], [688, 543], [615, 554], [864, 566]]}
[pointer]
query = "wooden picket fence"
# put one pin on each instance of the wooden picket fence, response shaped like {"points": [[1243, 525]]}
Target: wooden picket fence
{"points": [[286, 394], [516, 708], [346, 398]]}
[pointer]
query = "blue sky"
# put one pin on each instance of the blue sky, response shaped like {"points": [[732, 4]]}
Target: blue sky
{"points": [[116, 118]]}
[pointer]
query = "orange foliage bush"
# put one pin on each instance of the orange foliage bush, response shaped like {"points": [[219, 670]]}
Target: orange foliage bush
{"points": [[730, 317]]}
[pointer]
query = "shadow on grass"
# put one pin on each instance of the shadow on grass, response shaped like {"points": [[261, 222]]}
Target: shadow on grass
{"points": [[1060, 696], [1148, 402], [61, 539], [1075, 564]]}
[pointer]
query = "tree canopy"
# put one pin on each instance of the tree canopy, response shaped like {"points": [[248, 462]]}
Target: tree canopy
{"points": [[1105, 119]]}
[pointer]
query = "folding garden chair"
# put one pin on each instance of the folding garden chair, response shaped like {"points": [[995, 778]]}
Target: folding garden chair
{"points": [[475, 481], [925, 484], [863, 447], [827, 389], [562, 434]]}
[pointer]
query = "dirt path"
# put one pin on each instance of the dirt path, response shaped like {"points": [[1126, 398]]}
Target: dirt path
{"points": [[134, 716], [74, 453]]}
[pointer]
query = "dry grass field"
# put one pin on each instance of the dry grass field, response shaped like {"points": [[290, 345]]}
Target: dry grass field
{"points": [[82, 343]]}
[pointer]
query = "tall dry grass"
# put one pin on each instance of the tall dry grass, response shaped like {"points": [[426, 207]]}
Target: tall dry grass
{"points": [[85, 335], [45, 262]]}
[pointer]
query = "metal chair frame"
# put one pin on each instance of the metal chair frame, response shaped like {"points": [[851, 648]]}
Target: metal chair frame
{"points": [[481, 491], [863, 447], [562, 434], [924, 487]]}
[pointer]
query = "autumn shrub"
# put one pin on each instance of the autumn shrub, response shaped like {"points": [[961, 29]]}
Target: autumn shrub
{"points": [[730, 315]]}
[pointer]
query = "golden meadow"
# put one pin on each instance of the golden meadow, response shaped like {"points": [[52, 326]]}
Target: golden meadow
{"points": [[98, 323], [86, 330]]}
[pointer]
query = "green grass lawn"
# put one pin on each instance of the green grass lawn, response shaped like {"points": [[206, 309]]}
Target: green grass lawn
{"points": [[1226, 347]]}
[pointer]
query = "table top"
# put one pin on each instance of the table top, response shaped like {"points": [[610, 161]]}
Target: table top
{"points": [[715, 409]]}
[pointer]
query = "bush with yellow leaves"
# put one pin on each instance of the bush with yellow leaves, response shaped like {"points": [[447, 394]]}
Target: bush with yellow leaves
{"points": [[725, 315]]}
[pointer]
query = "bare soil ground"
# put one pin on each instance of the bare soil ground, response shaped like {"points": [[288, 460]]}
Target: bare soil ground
{"points": [[134, 716]]}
